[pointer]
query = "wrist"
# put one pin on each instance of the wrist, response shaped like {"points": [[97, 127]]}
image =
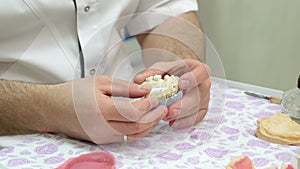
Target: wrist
{"points": [[57, 104], [62, 117], [47, 105]]}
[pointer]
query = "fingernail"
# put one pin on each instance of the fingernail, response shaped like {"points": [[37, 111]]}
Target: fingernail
{"points": [[142, 74], [175, 114], [165, 111], [176, 124], [165, 118], [145, 88], [138, 76], [184, 84], [153, 102], [207, 69]]}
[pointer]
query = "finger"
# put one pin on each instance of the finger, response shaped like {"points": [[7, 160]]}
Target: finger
{"points": [[140, 78], [204, 89], [193, 100], [138, 136], [190, 100], [200, 116], [183, 122], [198, 74], [132, 128], [188, 121], [121, 88], [180, 113], [127, 111], [160, 111]]}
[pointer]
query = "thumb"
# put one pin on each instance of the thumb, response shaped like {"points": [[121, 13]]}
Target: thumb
{"points": [[140, 78], [122, 88]]}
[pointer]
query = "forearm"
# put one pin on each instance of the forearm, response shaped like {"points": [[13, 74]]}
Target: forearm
{"points": [[28, 108], [182, 36]]}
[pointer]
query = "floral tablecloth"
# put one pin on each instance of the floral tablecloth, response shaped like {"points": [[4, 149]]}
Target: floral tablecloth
{"points": [[226, 132]]}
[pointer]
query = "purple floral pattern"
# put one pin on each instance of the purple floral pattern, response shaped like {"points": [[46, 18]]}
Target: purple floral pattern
{"points": [[226, 132], [17, 162], [46, 149]]}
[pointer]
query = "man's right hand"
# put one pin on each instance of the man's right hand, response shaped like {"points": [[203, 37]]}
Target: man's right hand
{"points": [[102, 117], [87, 109]]}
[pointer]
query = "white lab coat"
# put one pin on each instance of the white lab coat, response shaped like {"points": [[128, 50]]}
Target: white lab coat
{"points": [[39, 38]]}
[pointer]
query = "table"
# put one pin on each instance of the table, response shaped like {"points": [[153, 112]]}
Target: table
{"points": [[226, 132]]}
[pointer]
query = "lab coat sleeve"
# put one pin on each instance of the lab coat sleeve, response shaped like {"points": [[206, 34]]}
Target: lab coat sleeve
{"points": [[149, 14]]}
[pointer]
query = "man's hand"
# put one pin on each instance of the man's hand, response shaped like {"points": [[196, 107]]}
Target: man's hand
{"points": [[194, 81], [106, 119], [84, 109]]}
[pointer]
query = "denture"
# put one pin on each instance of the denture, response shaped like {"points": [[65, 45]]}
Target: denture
{"points": [[166, 89]]}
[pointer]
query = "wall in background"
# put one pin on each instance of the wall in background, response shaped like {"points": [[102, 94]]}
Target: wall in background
{"points": [[258, 41]]}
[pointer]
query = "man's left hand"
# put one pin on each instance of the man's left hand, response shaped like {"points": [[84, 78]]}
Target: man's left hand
{"points": [[194, 81]]}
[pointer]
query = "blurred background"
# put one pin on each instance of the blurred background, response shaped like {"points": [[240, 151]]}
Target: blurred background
{"points": [[257, 41]]}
